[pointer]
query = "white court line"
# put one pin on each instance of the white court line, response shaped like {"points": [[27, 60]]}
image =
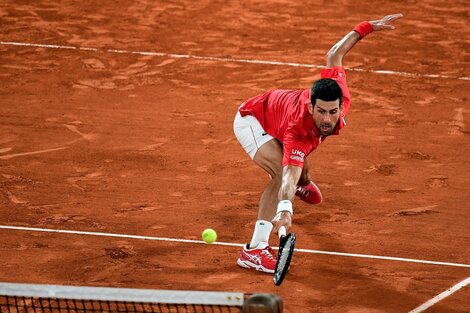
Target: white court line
{"points": [[47, 230], [252, 61], [441, 296], [9, 156]]}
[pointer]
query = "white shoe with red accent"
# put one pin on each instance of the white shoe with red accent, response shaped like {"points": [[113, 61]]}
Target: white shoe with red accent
{"points": [[310, 193], [262, 258]]}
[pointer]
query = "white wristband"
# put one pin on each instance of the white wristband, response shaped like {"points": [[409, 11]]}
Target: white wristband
{"points": [[284, 206]]}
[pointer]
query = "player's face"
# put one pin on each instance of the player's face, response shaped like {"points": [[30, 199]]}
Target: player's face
{"points": [[325, 115]]}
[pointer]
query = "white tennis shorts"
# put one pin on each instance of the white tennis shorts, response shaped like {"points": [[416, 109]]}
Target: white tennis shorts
{"points": [[250, 133]]}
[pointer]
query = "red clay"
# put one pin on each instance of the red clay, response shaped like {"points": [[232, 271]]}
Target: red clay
{"points": [[143, 145]]}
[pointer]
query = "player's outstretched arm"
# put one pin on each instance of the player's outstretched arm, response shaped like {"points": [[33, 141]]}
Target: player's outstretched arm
{"points": [[290, 177], [335, 56]]}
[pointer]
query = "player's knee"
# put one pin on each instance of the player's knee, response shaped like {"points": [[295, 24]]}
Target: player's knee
{"points": [[276, 176], [274, 170]]}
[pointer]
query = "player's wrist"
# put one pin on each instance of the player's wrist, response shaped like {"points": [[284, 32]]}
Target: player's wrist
{"points": [[364, 28], [284, 206]]}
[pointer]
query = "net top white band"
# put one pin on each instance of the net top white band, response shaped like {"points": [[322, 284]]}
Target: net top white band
{"points": [[122, 294]]}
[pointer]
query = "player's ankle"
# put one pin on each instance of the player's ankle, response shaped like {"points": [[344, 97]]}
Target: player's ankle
{"points": [[261, 233], [258, 245], [304, 182]]}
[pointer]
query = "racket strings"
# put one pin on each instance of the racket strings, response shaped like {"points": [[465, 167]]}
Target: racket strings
{"points": [[284, 256]]}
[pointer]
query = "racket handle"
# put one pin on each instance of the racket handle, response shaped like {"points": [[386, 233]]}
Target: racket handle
{"points": [[282, 231]]}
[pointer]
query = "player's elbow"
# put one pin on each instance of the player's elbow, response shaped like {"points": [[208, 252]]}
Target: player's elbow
{"points": [[334, 57], [331, 53]]}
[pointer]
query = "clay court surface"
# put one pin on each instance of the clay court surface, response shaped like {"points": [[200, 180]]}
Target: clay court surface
{"points": [[125, 142]]}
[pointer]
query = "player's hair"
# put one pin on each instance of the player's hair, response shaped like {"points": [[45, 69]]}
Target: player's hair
{"points": [[326, 89]]}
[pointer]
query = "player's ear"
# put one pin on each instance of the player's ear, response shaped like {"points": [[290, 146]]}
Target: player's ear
{"points": [[310, 107]]}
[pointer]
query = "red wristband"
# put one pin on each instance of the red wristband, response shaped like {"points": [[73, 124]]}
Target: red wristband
{"points": [[363, 29]]}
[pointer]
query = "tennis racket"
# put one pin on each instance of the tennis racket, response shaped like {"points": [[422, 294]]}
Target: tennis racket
{"points": [[286, 250]]}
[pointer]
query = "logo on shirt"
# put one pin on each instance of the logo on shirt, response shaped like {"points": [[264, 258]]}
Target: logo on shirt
{"points": [[298, 153], [296, 158], [264, 134]]}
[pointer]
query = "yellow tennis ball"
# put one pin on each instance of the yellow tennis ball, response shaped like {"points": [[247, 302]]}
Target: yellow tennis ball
{"points": [[209, 235]]}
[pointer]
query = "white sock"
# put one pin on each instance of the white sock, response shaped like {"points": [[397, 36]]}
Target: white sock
{"points": [[261, 234]]}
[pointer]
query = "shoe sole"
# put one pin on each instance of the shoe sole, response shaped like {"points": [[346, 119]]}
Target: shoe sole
{"points": [[249, 265]]}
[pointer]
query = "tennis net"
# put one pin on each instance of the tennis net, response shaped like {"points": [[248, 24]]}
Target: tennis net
{"points": [[25, 298]]}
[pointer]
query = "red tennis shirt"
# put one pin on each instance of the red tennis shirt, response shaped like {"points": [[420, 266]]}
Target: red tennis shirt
{"points": [[284, 115]]}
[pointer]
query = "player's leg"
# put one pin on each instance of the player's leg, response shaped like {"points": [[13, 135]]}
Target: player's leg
{"points": [[267, 153], [305, 178], [269, 158]]}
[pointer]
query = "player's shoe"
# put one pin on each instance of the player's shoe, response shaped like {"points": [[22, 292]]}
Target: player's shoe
{"points": [[310, 193], [262, 258]]}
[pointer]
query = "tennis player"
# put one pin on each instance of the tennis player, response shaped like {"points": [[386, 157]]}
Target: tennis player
{"points": [[279, 128]]}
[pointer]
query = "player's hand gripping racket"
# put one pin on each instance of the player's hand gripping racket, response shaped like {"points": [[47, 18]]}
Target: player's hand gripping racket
{"points": [[286, 250]]}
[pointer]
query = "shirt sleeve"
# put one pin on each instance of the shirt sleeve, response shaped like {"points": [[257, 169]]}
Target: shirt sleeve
{"points": [[295, 149], [339, 75]]}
